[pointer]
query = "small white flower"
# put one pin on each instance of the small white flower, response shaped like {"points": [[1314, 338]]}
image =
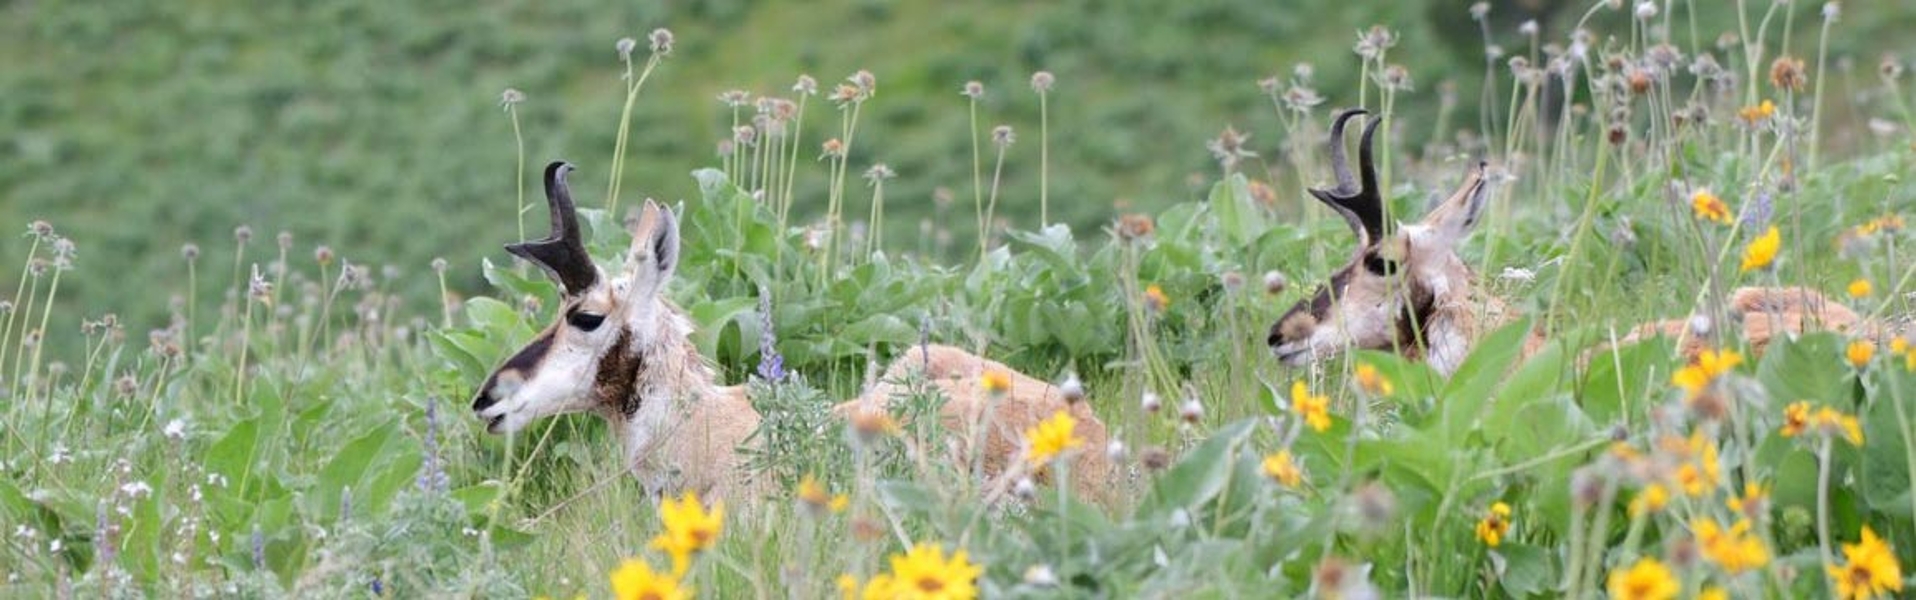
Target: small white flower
{"points": [[175, 429], [216, 480], [1041, 575], [1025, 489], [1518, 274], [1831, 10], [1152, 402], [55, 546], [1180, 519], [1191, 410], [25, 532], [1072, 389], [1646, 10], [60, 456], [1115, 451], [136, 489]]}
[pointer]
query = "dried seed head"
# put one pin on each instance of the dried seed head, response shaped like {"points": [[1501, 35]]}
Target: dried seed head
{"points": [[323, 255], [190, 251], [1232, 281], [1646, 10], [745, 136], [1072, 389], [1228, 148], [1151, 402], [973, 90], [1274, 283], [40, 229], [1025, 489], [510, 97], [1889, 68], [1396, 78], [1832, 10], [243, 234], [1135, 226], [1002, 136], [1115, 451], [1528, 28], [1479, 10], [625, 46], [832, 148], [439, 265], [878, 173], [126, 385], [1788, 73], [735, 98], [1372, 44], [1042, 81], [1191, 411], [661, 39], [1155, 458], [805, 85]]}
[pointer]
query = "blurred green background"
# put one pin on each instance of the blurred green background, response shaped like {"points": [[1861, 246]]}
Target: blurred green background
{"points": [[375, 128]]}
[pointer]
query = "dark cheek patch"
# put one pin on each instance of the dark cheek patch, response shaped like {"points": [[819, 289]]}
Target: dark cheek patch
{"points": [[616, 383]]}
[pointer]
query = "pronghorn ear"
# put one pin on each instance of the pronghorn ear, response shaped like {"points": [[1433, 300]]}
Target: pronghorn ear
{"points": [[655, 247], [1453, 220]]}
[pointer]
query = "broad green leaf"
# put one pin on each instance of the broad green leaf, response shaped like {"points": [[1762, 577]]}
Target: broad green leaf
{"points": [[1464, 399], [1201, 474]]}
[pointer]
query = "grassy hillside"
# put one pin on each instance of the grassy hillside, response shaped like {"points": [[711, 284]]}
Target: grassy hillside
{"points": [[373, 127]]}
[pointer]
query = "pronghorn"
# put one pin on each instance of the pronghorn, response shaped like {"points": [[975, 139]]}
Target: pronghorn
{"points": [[621, 350], [1406, 290]]}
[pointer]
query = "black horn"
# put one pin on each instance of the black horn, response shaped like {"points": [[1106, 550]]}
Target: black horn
{"points": [[1362, 206], [562, 253]]}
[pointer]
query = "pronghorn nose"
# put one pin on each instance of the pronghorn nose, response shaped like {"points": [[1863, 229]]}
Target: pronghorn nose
{"points": [[484, 399]]}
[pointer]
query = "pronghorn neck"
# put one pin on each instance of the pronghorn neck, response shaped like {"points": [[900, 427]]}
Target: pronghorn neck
{"points": [[645, 394]]}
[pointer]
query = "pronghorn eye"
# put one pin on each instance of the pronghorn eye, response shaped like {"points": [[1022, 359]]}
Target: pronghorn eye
{"points": [[585, 321], [1378, 265]]}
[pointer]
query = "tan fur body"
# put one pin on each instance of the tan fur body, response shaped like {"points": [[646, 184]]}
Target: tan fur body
{"points": [[959, 375]]}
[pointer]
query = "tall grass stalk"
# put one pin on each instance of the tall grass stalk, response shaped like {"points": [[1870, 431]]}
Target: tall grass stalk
{"points": [[632, 88]]}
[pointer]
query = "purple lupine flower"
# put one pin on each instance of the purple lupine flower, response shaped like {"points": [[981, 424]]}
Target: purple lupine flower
{"points": [[771, 365], [1757, 213], [432, 476]]}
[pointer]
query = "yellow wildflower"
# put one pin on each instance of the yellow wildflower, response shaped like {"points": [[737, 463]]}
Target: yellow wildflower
{"points": [[1281, 467], [1733, 549], [813, 496], [1899, 345], [995, 382], [1155, 300], [1796, 418], [1050, 438], [1753, 503], [1832, 422], [1495, 525], [1652, 499], [1859, 353], [1870, 569], [1759, 113], [1700, 475], [1709, 365], [847, 587], [1713, 593], [1314, 409], [635, 580], [923, 573], [1860, 288], [1648, 579], [1762, 251], [1709, 207], [689, 529], [1372, 381]]}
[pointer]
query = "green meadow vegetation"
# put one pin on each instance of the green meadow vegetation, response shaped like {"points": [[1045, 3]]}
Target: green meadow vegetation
{"points": [[242, 414]]}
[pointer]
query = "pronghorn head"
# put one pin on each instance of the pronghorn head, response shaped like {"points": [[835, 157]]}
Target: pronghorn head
{"points": [[590, 359], [1384, 298]]}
